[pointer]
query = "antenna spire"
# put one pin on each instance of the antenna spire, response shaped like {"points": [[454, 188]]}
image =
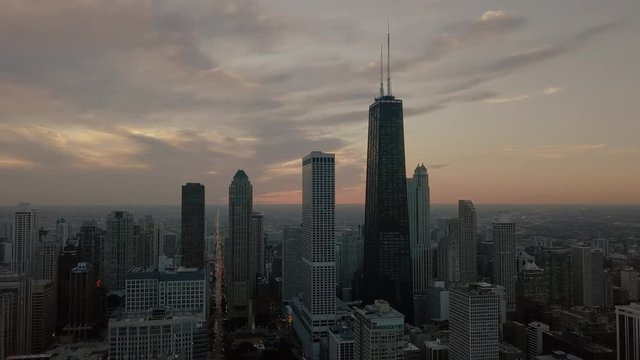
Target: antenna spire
{"points": [[381, 72], [388, 59]]}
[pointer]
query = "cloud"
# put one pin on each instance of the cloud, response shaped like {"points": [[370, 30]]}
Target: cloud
{"points": [[444, 102], [552, 90], [562, 151], [437, 166], [507, 100]]}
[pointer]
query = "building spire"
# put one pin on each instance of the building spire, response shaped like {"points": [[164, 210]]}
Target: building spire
{"points": [[381, 72], [388, 59]]}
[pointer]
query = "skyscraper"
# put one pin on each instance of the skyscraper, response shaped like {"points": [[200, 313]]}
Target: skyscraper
{"points": [[316, 311], [378, 332], [587, 277], [119, 254], [627, 330], [468, 243], [292, 281], [504, 259], [557, 275], [419, 230], [474, 318], [192, 254], [90, 242], [25, 238], [15, 324], [83, 306], [256, 234], [43, 311], [239, 264], [387, 271]]}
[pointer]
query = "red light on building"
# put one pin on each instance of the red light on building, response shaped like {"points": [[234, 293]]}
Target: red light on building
{"points": [[98, 283]]}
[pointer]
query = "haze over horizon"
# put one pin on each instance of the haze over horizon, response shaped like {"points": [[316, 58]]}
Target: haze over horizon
{"points": [[122, 102]]}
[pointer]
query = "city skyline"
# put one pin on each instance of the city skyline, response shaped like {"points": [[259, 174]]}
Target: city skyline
{"points": [[157, 94]]}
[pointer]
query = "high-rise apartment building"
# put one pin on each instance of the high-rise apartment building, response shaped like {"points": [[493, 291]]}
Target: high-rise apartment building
{"points": [[418, 200], [387, 266], [24, 239], [468, 244], [628, 331], [119, 249], [378, 332], [83, 302], [292, 279], [240, 263], [43, 311], [474, 319], [504, 259], [587, 277], [315, 312], [193, 226]]}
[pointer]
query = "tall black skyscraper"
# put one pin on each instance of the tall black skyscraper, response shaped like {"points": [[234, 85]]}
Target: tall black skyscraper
{"points": [[193, 225], [387, 270]]}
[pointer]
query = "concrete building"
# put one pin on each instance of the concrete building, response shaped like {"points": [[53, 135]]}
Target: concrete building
{"points": [[341, 342], [629, 282], [418, 201], [535, 330], [587, 277], [25, 237], [318, 303], [474, 320], [119, 249], [292, 280], [158, 335], [504, 260], [170, 246], [628, 331], [182, 291], [240, 262], [531, 292], [379, 332], [438, 304], [43, 314]]}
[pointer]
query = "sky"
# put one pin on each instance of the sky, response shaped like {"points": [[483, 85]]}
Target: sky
{"points": [[505, 101]]}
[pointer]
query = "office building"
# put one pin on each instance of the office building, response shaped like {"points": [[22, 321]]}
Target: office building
{"points": [[158, 335], [587, 277], [119, 253], [315, 312], [438, 304], [45, 261], [418, 201], [629, 282], [256, 241], [83, 302], [474, 319], [25, 237], [531, 292], [43, 311], [379, 332], [151, 243], [240, 263], [348, 261], [90, 241], [15, 323], [63, 231], [628, 331], [504, 259], [340, 341], [182, 291], [557, 275], [535, 330], [193, 226], [170, 245], [468, 245], [292, 279], [387, 266]]}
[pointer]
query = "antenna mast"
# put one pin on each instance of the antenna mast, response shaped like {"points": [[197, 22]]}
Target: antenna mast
{"points": [[388, 59], [381, 72]]}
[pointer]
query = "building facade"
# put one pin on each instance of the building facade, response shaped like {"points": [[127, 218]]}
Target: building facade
{"points": [[292, 280], [418, 201], [193, 226], [468, 243], [628, 331], [587, 277], [24, 239], [504, 260], [83, 302], [379, 332], [118, 255]]}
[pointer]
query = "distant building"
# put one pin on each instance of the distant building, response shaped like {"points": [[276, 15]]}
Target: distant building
{"points": [[468, 241], [170, 245], [557, 275], [193, 226], [63, 231], [504, 259], [628, 331], [418, 200], [348, 261], [15, 328], [158, 335], [241, 261], [315, 312], [587, 266], [25, 237], [531, 292], [43, 315], [119, 249], [292, 279], [256, 234], [379, 332], [438, 304], [474, 319], [629, 282], [83, 304], [89, 244]]}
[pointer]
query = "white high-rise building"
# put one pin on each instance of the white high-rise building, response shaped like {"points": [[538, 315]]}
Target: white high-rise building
{"points": [[628, 331], [474, 320], [24, 239], [316, 311], [504, 260], [535, 330], [418, 200], [379, 332]]}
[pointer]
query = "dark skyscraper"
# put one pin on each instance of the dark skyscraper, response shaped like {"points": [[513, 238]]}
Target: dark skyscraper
{"points": [[193, 225], [468, 242], [387, 270]]}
